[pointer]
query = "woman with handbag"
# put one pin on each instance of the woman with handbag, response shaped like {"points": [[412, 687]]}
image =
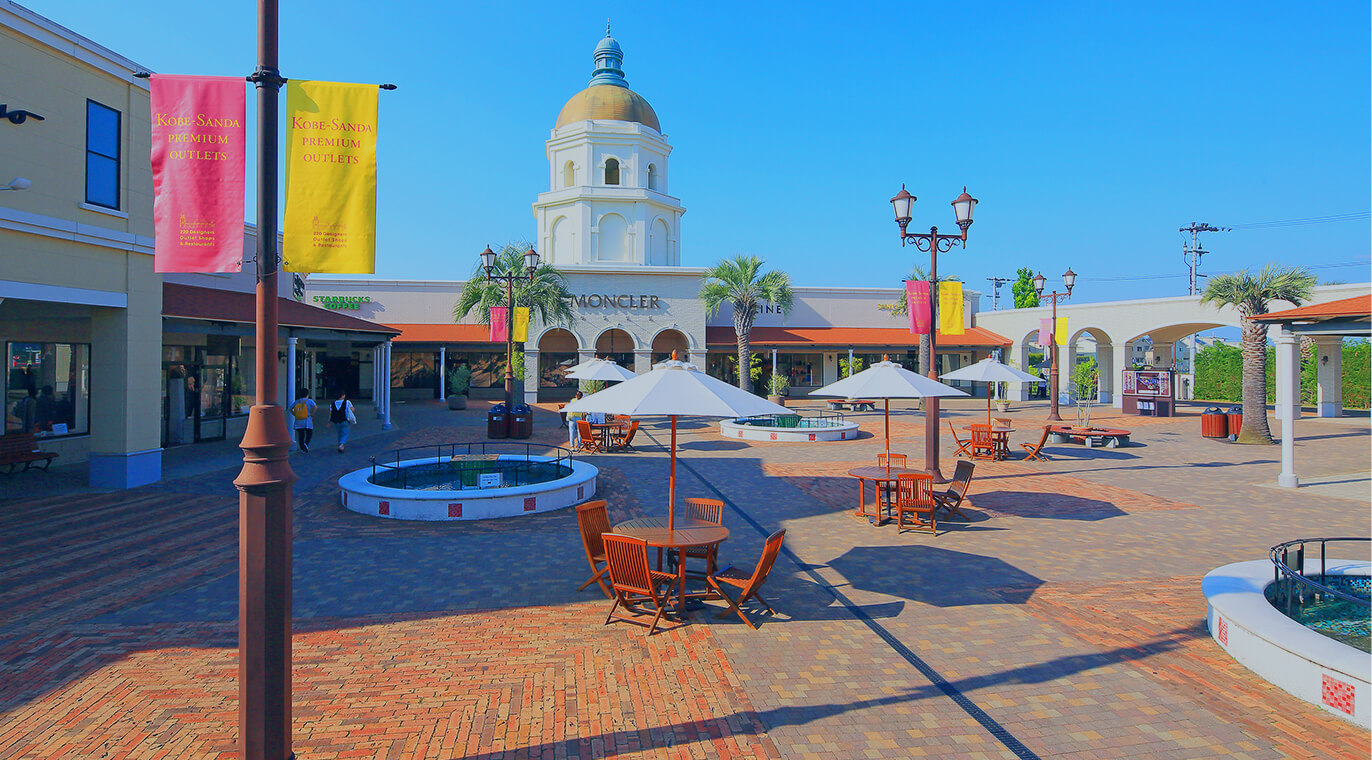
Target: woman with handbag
{"points": [[341, 416]]}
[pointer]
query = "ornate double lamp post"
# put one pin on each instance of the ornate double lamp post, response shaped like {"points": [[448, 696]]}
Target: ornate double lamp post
{"points": [[1069, 278], [488, 258], [935, 244]]}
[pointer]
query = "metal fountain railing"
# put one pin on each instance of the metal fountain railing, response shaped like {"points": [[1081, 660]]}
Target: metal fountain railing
{"points": [[466, 461], [824, 419], [1291, 583]]}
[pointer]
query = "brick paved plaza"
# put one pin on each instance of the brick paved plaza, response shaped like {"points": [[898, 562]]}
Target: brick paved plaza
{"points": [[1063, 620]]}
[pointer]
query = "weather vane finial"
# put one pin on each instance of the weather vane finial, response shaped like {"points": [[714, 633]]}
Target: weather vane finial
{"points": [[607, 27]]}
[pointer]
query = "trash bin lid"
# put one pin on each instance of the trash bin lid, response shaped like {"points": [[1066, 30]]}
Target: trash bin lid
{"points": [[499, 409]]}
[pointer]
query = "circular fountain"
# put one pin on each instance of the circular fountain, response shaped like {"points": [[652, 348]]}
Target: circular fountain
{"points": [[825, 426], [1300, 621], [468, 481]]}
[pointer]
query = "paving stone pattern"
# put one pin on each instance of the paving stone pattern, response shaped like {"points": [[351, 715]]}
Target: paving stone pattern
{"points": [[1063, 619]]}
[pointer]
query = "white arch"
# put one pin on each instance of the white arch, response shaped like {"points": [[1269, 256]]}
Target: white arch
{"points": [[690, 339], [568, 174], [659, 242], [612, 238], [560, 241], [595, 344]]}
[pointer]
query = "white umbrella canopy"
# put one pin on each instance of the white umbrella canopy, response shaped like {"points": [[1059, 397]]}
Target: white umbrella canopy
{"points": [[989, 370], [674, 389], [601, 369], [887, 380]]}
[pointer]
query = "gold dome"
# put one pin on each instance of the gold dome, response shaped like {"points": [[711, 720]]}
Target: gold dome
{"points": [[610, 102]]}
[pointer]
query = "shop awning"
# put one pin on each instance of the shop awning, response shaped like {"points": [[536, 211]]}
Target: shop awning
{"points": [[1345, 308], [212, 305], [856, 337], [427, 333]]}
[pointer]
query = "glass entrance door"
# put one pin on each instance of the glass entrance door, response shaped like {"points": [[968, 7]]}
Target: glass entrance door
{"points": [[212, 394]]}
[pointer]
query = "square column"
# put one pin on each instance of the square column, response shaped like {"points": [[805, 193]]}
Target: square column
{"points": [[1019, 391], [643, 360], [530, 377], [126, 360], [1109, 377], [1288, 403], [1329, 376], [1119, 360]]}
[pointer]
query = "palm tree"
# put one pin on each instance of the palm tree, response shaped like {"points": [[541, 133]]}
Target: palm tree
{"points": [[740, 282], [1251, 294], [546, 296], [901, 308]]}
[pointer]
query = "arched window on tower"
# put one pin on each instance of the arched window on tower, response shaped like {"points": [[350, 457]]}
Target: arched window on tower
{"points": [[612, 171], [568, 174], [652, 177]]}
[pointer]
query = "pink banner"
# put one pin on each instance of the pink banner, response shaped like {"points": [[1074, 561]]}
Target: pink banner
{"points": [[197, 173], [917, 304], [500, 324]]}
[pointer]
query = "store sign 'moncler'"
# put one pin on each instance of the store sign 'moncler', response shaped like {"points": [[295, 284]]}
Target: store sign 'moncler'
{"points": [[621, 300]]}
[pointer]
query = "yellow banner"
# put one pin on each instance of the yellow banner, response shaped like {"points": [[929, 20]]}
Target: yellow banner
{"points": [[1060, 331], [521, 324], [330, 223], [950, 308]]}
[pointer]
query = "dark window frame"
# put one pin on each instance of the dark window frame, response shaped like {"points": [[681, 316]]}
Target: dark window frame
{"points": [[118, 158]]}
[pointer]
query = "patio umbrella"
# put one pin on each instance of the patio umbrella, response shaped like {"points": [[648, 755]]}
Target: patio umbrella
{"points": [[675, 389], [887, 380], [601, 369], [989, 370]]}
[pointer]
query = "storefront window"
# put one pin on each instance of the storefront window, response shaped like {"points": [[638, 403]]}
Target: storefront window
{"points": [[413, 369], [488, 367], [47, 388], [244, 381], [800, 370], [552, 369]]}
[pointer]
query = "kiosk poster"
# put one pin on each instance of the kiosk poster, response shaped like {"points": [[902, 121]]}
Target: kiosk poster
{"points": [[197, 156], [330, 223]]}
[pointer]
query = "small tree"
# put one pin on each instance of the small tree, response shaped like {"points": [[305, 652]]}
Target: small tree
{"points": [[1084, 378], [741, 282], [460, 380], [1023, 288], [848, 371]]}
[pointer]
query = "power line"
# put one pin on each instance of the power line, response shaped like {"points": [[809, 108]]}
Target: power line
{"points": [[1329, 219], [1127, 278]]}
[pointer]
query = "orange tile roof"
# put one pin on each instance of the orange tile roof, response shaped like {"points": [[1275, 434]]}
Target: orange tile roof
{"points": [[850, 336], [427, 333], [195, 302], [1357, 306]]}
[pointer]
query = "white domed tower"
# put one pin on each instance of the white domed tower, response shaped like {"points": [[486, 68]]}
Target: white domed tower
{"points": [[608, 203]]}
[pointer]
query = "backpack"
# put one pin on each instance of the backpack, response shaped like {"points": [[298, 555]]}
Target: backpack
{"points": [[338, 411], [300, 410]]}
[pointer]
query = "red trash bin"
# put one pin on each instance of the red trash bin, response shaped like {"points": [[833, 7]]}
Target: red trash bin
{"points": [[1214, 423], [1235, 416]]}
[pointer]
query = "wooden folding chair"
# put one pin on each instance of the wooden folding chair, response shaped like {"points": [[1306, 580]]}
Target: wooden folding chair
{"points": [[983, 444], [712, 512], [915, 495], [950, 500], [886, 490], [628, 437], [963, 450], [749, 585], [896, 460], [1035, 451], [1002, 422], [588, 443], [594, 521], [633, 581]]}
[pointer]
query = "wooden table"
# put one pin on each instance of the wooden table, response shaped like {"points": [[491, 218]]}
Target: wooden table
{"points": [[605, 432], [1000, 438], [878, 475], [689, 534]]}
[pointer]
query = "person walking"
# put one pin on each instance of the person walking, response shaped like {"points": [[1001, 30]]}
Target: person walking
{"points": [[341, 416], [302, 411], [574, 435]]}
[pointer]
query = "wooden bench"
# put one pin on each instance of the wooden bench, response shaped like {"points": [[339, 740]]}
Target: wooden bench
{"points": [[1090, 437], [855, 404], [22, 448]]}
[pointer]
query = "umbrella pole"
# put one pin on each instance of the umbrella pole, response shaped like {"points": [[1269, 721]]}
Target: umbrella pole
{"points": [[671, 483], [988, 404], [886, 405]]}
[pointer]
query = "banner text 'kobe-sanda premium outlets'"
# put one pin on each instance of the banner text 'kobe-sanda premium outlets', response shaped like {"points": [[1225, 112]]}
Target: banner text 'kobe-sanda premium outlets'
{"points": [[330, 222]]}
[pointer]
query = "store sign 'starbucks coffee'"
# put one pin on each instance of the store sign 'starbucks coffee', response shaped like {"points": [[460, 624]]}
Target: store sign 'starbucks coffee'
{"points": [[342, 302]]}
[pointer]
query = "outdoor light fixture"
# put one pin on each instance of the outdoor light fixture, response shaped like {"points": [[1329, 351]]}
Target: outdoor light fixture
{"points": [[18, 183], [903, 203], [531, 262], [1069, 278], [488, 260], [962, 209]]}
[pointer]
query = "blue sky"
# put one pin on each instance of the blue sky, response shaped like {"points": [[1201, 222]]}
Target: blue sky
{"points": [[1089, 131]]}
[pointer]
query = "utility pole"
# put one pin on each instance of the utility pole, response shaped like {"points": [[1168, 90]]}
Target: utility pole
{"points": [[1192, 254], [996, 282]]}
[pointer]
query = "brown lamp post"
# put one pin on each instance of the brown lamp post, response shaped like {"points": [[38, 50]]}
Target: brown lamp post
{"points": [[935, 244], [1069, 278], [488, 258]]}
